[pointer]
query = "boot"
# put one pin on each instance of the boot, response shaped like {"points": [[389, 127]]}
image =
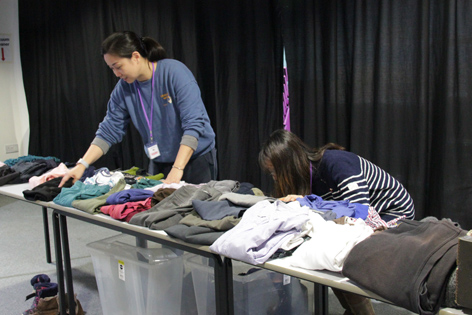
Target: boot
{"points": [[354, 304], [78, 307], [41, 278], [45, 306], [43, 289]]}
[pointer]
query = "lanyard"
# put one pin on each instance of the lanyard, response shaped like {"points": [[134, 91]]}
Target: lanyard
{"points": [[149, 121]]}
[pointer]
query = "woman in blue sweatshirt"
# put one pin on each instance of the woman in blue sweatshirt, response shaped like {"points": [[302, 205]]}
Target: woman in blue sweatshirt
{"points": [[162, 99]]}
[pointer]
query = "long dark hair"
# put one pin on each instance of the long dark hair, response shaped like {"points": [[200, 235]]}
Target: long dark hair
{"points": [[123, 44], [288, 158]]}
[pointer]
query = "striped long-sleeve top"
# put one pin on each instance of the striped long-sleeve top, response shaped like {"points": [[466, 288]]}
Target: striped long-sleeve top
{"points": [[343, 175]]}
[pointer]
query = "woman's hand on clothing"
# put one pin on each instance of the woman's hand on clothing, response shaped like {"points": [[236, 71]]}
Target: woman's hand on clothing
{"points": [[177, 170], [75, 173], [174, 176], [290, 198], [93, 153]]}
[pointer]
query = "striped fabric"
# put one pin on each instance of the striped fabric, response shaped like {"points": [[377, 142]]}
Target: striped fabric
{"points": [[348, 176]]}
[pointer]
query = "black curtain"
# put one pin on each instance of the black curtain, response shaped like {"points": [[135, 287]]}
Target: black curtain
{"points": [[234, 50], [390, 81]]}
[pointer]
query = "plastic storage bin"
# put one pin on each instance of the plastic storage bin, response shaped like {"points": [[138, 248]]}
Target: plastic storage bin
{"points": [[135, 280], [255, 290]]}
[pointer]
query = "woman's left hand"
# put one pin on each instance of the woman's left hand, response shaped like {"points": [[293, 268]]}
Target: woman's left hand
{"points": [[174, 176], [290, 198]]}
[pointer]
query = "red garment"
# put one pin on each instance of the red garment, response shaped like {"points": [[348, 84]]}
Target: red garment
{"points": [[126, 211]]}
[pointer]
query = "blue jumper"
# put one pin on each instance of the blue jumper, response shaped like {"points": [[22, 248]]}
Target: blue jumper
{"points": [[178, 111]]}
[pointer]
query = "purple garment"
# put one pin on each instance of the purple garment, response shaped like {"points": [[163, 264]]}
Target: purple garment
{"points": [[129, 195], [341, 208]]}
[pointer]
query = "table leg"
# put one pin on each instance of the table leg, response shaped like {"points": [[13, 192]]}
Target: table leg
{"points": [[141, 242], [321, 299], [47, 243], [67, 264], [221, 286], [59, 267], [228, 267]]}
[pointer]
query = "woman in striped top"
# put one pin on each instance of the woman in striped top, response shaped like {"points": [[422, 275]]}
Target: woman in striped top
{"points": [[333, 174]]}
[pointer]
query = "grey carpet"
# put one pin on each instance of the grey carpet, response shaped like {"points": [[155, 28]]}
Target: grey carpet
{"points": [[23, 256]]}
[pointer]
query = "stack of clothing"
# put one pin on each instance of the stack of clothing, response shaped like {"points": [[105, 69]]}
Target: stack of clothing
{"points": [[17, 171]]}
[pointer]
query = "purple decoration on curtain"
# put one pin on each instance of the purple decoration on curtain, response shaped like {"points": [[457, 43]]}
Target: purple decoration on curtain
{"points": [[286, 106]]}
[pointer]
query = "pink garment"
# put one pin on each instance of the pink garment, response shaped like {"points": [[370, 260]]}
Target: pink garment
{"points": [[59, 171], [126, 211], [374, 220]]}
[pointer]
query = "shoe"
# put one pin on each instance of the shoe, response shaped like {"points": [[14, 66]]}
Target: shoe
{"points": [[44, 306], [43, 288], [41, 278], [78, 307], [354, 304]]}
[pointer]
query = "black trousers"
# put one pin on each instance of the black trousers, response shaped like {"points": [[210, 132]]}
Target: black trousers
{"points": [[199, 170]]}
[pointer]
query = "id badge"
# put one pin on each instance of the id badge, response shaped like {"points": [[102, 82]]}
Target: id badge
{"points": [[152, 150]]}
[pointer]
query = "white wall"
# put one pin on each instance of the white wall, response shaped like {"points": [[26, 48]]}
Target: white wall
{"points": [[14, 119]]}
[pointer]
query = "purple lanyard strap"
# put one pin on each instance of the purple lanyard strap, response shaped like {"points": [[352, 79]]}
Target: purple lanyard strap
{"points": [[149, 121]]}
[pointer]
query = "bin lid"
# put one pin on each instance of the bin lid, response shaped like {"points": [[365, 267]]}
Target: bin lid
{"points": [[119, 246]]}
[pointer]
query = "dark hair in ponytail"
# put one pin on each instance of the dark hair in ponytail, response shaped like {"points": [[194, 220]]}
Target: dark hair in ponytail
{"points": [[123, 44]]}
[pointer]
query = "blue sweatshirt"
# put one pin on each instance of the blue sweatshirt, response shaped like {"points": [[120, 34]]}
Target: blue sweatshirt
{"points": [[179, 115]]}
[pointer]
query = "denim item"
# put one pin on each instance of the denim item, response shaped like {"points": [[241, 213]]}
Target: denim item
{"points": [[216, 210]]}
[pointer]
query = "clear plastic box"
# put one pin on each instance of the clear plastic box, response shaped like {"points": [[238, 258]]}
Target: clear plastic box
{"points": [[255, 290], [136, 280]]}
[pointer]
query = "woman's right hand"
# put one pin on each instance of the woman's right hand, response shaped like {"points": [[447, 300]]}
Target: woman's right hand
{"points": [[75, 173], [290, 198]]}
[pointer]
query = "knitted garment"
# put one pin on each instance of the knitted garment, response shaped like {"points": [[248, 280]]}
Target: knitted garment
{"points": [[46, 191], [129, 195], [79, 191], [343, 175]]}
